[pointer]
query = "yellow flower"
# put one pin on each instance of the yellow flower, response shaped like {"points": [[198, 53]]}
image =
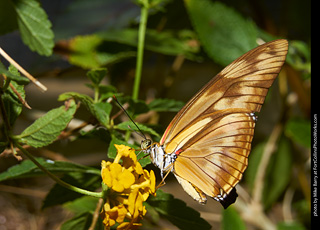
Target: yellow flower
{"points": [[129, 185], [116, 177], [116, 214]]}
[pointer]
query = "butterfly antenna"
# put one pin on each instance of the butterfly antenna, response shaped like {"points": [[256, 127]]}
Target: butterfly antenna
{"points": [[140, 133]]}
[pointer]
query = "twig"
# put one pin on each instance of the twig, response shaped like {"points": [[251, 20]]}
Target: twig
{"points": [[23, 191], [286, 206], [23, 71], [254, 215], [23, 101], [252, 211], [96, 215], [268, 150], [56, 179]]}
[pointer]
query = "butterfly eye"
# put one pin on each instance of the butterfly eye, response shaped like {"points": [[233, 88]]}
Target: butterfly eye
{"points": [[146, 143]]}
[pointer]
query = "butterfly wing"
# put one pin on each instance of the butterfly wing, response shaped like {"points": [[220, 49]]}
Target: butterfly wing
{"points": [[212, 133]]}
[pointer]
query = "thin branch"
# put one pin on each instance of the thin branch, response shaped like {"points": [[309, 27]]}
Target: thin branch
{"points": [[268, 151], [23, 101], [96, 215], [23, 71], [56, 179], [23, 191], [254, 215]]}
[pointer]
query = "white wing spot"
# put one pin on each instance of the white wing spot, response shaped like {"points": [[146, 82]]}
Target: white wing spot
{"points": [[254, 117]]}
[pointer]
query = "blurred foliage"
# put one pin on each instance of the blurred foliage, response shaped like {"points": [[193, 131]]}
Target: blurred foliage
{"points": [[101, 37]]}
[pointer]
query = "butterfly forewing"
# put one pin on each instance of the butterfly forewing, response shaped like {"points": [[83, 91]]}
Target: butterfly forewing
{"points": [[248, 76], [211, 135]]}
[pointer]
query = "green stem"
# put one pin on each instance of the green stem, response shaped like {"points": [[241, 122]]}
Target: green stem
{"points": [[96, 94], [6, 85], [142, 32], [56, 179], [7, 128]]}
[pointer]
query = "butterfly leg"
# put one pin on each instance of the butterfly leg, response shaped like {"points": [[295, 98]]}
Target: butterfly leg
{"points": [[142, 156], [167, 170]]}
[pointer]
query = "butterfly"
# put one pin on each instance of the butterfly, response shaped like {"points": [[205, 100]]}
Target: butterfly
{"points": [[207, 144]]}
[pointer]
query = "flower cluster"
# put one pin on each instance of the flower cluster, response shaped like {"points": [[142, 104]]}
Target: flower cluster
{"points": [[128, 185]]}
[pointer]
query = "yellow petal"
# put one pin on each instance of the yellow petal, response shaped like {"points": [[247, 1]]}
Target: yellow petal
{"points": [[124, 225], [108, 222], [122, 150], [138, 168], [145, 196], [152, 182], [126, 178], [115, 169], [122, 212], [132, 201], [106, 207], [106, 177], [129, 160], [103, 164], [117, 186]]}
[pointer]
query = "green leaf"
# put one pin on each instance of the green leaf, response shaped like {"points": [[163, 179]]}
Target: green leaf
{"points": [[99, 133], [165, 105], [299, 57], [125, 126], [136, 106], [164, 42], [90, 52], [231, 220], [106, 91], [299, 130], [60, 195], [177, 212], [102, 112], [46, 129], [12, 104], [83, 204], [290, 226], [13, 75], [278, 173], [96, 75], [83, 48], [81, 221], [224, 33], [83, 98], [34, 26], [168, 43], [28, 169]]}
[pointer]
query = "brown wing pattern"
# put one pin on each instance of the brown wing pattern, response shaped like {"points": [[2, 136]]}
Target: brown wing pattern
{"points": [[214, 130], [218, 156], [242, 84]]}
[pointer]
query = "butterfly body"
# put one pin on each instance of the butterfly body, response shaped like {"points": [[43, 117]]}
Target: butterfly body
{"points": [[207, 144], [164, 161]]}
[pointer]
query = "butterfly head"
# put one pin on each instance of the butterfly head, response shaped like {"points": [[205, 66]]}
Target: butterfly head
{"points": [[146, 143]]}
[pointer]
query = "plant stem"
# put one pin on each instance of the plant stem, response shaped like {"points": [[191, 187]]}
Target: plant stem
{"points": [[141, 38], [96, 94], [267, 153], [6, 122], [56, 179]]}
